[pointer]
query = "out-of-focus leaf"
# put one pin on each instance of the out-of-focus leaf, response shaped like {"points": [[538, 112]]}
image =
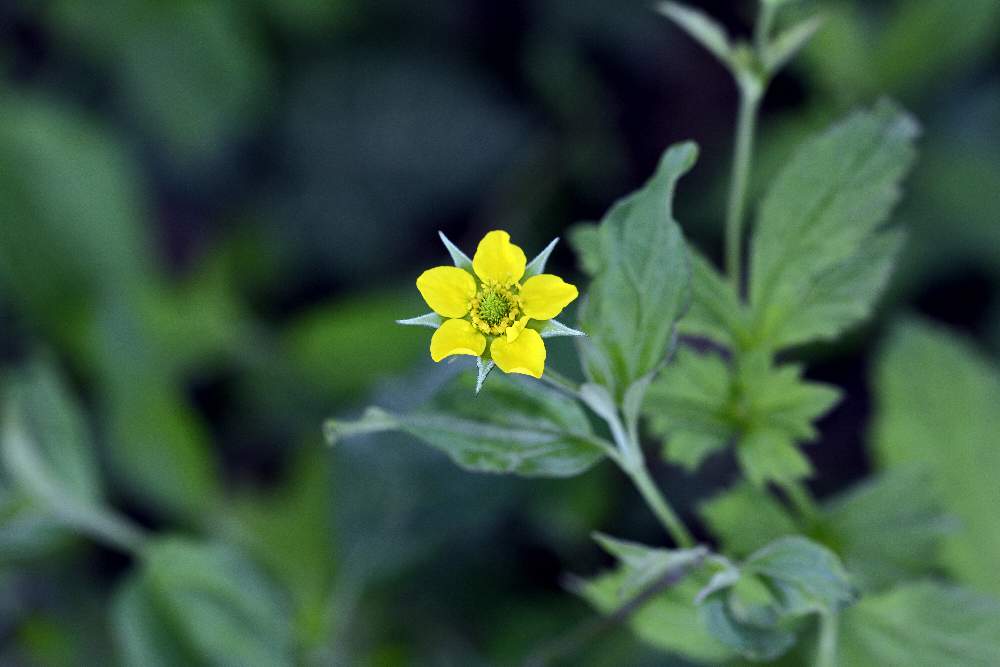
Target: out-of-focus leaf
{"points": [[642, 285], [887, 529], [205, 603], [63, 455], [192, 75], [745, 518], [788, 43], [144, 636], [70, 204], [767, 454], [511, 426], [922, 624], [701, 27], [49, 457], [341, 348], [937, 408], [157, 447], [668, 622], [290, 531], [818, 259]]}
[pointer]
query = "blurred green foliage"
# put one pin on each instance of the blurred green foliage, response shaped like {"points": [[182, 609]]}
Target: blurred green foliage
{"points": [[210, 215]]}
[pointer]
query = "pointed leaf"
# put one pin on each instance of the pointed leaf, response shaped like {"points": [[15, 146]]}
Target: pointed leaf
{"points": [[786, 45], [537, 265], [432, 320], [459, 258], [643, 285], [700, 27]]}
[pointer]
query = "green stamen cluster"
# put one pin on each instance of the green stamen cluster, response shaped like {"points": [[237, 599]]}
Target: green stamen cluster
{"points": [[494, 309]]}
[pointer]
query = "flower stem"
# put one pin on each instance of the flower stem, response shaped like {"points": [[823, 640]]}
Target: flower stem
{"points": [[826, 651], [661, 508], [750, 96]]}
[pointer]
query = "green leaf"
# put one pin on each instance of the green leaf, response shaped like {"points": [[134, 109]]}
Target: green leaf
{"points": [[922, 624], [887, 529], [205, 600], [701, 27], [771, 455], [49, 457], [645, 565], [642, 283], [745, 518], [143, 636], [688, 405], [749, 607], [511, 426], [193, 76], [818, 257], [669, 621], [290, 530], [699, 404], [47, 443], [937, 408], [716, 312], [785, 46]]}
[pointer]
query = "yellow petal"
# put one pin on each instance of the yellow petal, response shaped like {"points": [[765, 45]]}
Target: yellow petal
{"points": [[447, 290], [457, 337], [514, 330], [498, 260], [525, 355], [544, 296]]}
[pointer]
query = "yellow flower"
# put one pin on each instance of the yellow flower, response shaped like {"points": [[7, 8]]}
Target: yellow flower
{"points": [[496, 306]]}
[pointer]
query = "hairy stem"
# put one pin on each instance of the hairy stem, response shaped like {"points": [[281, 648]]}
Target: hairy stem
{"points": [[661, 508], [745, 127], [826, 651]]}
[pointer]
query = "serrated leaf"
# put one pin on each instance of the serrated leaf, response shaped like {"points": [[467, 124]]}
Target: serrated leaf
{"points": [[688, 406], [745, 518], [937, 408], [777, 398], [217, 604], [511, 426], [887, 529], [701, 27], [922, 624], [770, 454], [823, 211], [642, 286], [699, 404], [715, 312]]}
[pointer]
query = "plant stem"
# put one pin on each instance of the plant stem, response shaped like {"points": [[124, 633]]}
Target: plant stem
{"points": [[661, 508], [560, 382], [826, 651], [573, 642], [750, 96], [801, 499]]}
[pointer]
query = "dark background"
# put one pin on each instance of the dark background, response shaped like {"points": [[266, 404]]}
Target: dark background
{"points": [[211, 213]]}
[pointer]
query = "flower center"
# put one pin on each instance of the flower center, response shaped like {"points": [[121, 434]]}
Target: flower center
{"points": [[494, 309]]}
